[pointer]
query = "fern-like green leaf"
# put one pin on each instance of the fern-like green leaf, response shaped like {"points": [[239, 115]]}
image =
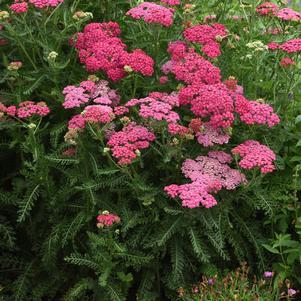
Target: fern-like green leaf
{"points": [[80, 260], [27, 204], [197, 246], [177, 259], [114, 292]]}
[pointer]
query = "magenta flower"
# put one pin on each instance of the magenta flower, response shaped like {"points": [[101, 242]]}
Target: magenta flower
{"points": [[291, 292], [268, 274]]}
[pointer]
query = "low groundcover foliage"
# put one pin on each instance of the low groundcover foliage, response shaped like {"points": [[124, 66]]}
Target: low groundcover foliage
{"points": [[147, 145]]}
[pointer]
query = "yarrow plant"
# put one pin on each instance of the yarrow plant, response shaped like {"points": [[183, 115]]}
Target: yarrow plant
{"points": [[20, 6], [100, 48], [179, 119]]}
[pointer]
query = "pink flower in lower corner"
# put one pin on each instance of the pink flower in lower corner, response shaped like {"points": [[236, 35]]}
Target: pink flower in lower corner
{"points": [[291, 292], [107, 219]]}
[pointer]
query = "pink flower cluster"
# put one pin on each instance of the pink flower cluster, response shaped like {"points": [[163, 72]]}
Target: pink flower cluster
{"points": [[267, 8], [26, 109], [177, 129], [253, 112], [99, 93], [208, 174], [271, 9], [100, 48], [214, 101], [207, 35], [189, 66], [218, 103], [171, 2], [151, 12], [21, 6], [254, 155], [126, 144], [105, 103], [157, 106], [107, 219], [290, 46], [286, 61], [288, 14], [208, 136]]}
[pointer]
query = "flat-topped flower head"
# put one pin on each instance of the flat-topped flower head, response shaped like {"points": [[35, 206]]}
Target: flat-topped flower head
{"points": [[157, 106], [107, 219], [207, 36], [171, 2], [99, 93], [192, 68], [21, 6], [254, 154], [291, 46], [151, 12], [254, 112], [267, 8], [100, 48], [126, 142], [208, 175], [30, 108], [210, 136], [286, 62], [216, 102], [288, 14]]}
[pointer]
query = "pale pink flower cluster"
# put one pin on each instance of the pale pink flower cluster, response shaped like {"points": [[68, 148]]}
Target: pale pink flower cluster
{"points": [[107, 219], [99, 93], [26, 109], [151, 12], [100, 48], [207, 35], [208, 136], [157, 106], [254, 154], [208, 174], [126, 144], [21, 6], [194, 194], [103, 97]]}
